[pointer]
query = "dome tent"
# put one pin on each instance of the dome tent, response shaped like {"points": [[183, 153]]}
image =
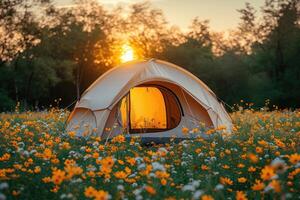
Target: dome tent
{"points": [[152, 99]]}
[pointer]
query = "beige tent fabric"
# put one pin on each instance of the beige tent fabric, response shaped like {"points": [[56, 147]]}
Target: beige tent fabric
{"points": [[107, 91]]}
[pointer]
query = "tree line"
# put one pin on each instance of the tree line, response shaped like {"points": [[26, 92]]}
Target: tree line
{"points": [[49, 52]]}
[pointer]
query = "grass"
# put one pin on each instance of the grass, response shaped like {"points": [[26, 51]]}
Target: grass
{"points": [[261, 159]]}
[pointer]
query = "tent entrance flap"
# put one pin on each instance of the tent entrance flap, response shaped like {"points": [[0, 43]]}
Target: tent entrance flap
{"points": [[149, 109]]}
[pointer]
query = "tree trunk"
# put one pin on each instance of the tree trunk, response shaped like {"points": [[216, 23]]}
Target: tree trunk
{"points": [[27, 94], [78, 82]]}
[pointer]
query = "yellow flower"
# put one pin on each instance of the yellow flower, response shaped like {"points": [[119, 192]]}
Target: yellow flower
{"points": [[258, 185], [240, 195], [267, 173]]}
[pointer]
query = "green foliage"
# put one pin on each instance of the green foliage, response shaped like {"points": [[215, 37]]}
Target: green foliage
{"points": [[63, 55], [6, 103]]}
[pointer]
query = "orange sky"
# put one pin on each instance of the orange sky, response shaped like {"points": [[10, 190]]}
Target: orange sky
{"points": [[221, 13]]}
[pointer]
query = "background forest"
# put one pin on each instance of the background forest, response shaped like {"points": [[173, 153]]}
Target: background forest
{"points": [[49, 53]]}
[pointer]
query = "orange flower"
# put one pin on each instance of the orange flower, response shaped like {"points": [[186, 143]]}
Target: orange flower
{"points": [[185, 130], [207, 197], [226, 181], [204, 167], [120, 174], [240, 195], [150, 190], [130, 160], [37, 169], [253, 158], [275, 185], [251, 169], [294, 158], [267, 173], [71, 133], [242, 180], [163, 181], [258, 185], [225, 167], [101, 195], [259, 150], [107, 162], [58, 176], [118, 139], [90, 192], [47, 154]]}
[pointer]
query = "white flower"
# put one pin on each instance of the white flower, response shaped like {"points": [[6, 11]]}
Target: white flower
{"points": [[82, 148], [197, 194], [137, 192], [188, 188], [33, 151], [3, 186], [219, 187], [212, 159], [141, 166], [164, 150], [134, 184], [120, 187], [132, 175], [139, 160], [277, 161], [200, 154], [158, 166], [2, 196], [183, 164]]}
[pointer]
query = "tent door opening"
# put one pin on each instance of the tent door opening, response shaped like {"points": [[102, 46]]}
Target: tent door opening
{"points": [[149, 109]]}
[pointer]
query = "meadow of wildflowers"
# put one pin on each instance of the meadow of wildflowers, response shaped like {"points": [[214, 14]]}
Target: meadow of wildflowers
{"points": [[261, 160]]}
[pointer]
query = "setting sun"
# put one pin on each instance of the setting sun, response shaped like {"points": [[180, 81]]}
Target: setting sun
{"points": [[127, 53]]}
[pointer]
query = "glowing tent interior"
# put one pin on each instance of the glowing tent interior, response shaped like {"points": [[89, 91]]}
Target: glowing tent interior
{"points": [[153, 99]]}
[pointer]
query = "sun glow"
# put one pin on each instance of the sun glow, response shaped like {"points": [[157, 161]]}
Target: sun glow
{"points": [[127, 53]]}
